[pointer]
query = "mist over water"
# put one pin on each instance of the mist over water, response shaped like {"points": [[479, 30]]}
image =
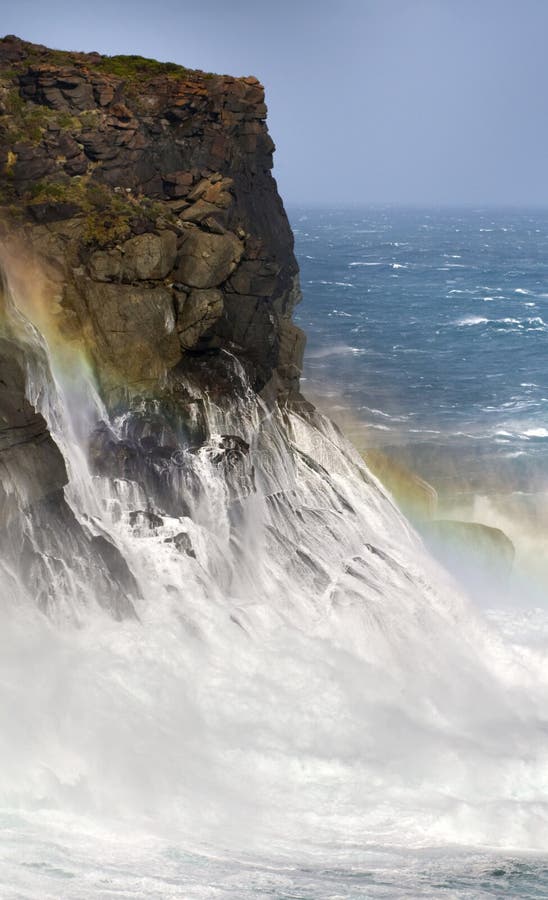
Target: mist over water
{"points": [[305, 704], [428, 339]]}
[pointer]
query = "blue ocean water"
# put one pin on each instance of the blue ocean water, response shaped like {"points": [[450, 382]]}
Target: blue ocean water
{"points": [[428, 339], [364, 736], [431, 328]]}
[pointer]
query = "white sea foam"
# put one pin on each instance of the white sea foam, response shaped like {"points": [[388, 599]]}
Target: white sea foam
{"points": [[366, 264], [536, 432], [332, 350], [471, 320]]}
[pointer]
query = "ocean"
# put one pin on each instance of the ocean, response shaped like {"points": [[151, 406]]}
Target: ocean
{"points": [[428, 339], [431, 327], [308, 706]]}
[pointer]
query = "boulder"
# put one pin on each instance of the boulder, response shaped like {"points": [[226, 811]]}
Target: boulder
{"points": [[206, 259], [198, 312], [149, 256], [182, 543], [199, 211], [134, 333], [106, 265]]}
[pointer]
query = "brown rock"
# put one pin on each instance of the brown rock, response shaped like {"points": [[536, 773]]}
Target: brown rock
{"points": [[106, 265], [255, 277], [291, 350], [206, 259], [199, 211], [198, 143], [178, 184], [134, 331], [148, 256], [198, 313]]}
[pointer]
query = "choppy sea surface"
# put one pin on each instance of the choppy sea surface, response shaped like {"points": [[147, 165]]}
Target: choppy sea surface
{"points": [[308, 706], [428, 339], [431, 328]]}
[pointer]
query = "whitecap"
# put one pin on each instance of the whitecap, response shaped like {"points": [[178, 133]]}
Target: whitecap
{"points": [[333, 350], [365, 264], [536, 432], [471, 320]]}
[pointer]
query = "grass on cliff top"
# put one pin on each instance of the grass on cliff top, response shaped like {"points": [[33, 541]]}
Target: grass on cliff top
{"points": [[129, 67], [133, 66]]}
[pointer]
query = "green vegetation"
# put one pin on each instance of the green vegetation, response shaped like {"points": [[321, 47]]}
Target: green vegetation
{"points": [[29, 120], [109, 214], [133, 67], [26, 122], [14, 103]]}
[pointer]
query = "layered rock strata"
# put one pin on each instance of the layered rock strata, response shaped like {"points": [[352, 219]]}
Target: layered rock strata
{"points": [[146, 189]]}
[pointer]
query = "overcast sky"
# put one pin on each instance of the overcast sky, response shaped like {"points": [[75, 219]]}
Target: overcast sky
{"points": [[400, 101]]}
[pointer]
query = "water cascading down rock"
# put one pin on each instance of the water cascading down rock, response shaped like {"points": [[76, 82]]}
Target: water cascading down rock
{"points": [[144, 192]]}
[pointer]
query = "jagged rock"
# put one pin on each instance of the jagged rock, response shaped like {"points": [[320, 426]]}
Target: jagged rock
{"points": [[206, 260], [118, 570], [199, 211], [229, 448], [134, 328], [182, 543], [39, 535], [178, 184], [163, 156], [213, 190], [31, 466], [198, 313], [149, 256], [106, 265], [177, 152], [140, 517]]}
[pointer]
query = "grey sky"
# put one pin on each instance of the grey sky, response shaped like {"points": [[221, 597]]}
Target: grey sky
{"points": [[402, 101]]}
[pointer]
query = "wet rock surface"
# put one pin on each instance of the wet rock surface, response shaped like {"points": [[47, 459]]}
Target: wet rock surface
{"points": [[44, 544], [144, 190]]}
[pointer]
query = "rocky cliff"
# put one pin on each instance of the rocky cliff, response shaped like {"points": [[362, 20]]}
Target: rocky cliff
{"points": [[147, 191], [144, 192]]}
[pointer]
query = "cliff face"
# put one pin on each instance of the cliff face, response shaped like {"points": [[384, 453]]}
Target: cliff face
{"points": [[144, 192], [146, 189]]}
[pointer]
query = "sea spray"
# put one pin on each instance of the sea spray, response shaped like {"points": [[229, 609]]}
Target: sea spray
{"points": [[298, 669]]}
